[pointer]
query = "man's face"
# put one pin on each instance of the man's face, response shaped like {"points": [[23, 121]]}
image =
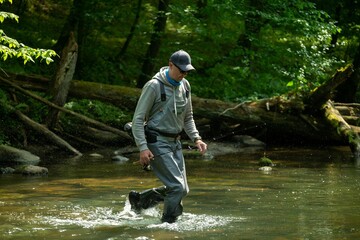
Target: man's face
{"points": [[176, 73]]}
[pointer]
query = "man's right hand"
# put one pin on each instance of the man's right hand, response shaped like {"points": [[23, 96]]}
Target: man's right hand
{"points": [[145, 157]]}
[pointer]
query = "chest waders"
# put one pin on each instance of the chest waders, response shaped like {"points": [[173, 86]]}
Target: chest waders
{"points": [[168, 166]]}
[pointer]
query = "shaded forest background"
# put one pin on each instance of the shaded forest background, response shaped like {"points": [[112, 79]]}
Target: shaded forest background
{"points": [[242, 50]]}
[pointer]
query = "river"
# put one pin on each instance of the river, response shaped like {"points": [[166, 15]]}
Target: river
{"points": [[310, 194]]}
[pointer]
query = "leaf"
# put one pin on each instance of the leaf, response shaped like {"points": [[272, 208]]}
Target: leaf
{"points": [[49, 60]]}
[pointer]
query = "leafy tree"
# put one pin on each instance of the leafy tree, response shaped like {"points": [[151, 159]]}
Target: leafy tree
{"points": [[240, 48], [345, 42], [124, 48], [264, 47], [10, 47], [155, 43]]}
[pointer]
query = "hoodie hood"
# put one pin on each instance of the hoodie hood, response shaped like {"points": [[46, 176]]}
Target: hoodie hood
{"points": [[161, 75]]}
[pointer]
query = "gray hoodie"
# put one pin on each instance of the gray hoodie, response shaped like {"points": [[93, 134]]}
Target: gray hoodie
{"points": [[171, 116]]}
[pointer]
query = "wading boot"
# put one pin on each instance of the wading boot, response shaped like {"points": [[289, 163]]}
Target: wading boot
{"points": [[168, 219], [146, 199], [134, 199], [152, 197], [171, 218]]}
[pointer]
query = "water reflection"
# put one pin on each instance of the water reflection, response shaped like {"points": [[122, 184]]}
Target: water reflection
{"points": [[310, 194]]}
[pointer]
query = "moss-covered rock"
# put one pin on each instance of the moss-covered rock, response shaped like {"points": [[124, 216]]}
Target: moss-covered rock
{"points": [[13, 156], [264, 161]]}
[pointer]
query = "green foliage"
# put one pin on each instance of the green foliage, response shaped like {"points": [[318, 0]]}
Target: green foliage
{"points": [[241, 49], [287, 46], [10, 47], [4, 15], [100, 111], [2, 1], [8, 126], [265, 161]]}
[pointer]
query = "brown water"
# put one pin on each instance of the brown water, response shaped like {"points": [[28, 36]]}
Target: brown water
{"points": [[310, 194]]}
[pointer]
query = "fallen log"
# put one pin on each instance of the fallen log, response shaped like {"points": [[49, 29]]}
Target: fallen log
{"points": [[325, 92], [342, 127], [279, 114], [90, 121], [290, 118], [266, 111], [51, 136]]}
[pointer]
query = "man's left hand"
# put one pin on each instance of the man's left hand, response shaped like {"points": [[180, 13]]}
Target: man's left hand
{"points": [[201, 146]]}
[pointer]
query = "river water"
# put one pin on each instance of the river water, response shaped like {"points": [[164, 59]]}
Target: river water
{"points": [[309, 194]]}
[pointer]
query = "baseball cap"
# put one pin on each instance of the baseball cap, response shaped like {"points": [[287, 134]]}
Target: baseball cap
{"points": [[182, 60]]}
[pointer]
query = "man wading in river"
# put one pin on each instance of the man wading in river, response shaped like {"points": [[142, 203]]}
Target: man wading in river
{"points": [[165, 106]]}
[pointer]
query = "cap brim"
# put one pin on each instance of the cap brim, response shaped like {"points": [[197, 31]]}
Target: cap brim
{"points": [[186, 68]]}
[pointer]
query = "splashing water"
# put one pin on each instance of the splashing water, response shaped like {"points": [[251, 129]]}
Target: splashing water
{"points": [[149, 218]]}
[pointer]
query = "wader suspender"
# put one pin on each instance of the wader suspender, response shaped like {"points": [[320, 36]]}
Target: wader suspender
{"points": [[163, 94], [162, 90]]}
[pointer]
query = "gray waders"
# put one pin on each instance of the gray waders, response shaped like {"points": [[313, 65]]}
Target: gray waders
{"points": [[169, 166]]}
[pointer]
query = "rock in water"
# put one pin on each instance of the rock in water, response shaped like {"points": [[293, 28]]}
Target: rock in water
{"points": [[120, 158], [13, 155], [265, 169], [31, 170]]}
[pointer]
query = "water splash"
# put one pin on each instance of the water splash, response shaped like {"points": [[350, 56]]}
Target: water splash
{"points": [[94, 217], [149, 218]]}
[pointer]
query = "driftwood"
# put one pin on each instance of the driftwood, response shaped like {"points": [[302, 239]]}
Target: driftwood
{"points": [[300, 119]]}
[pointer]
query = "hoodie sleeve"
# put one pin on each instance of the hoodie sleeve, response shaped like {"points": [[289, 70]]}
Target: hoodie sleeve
{"points": [[141, 114], [189, 123]]}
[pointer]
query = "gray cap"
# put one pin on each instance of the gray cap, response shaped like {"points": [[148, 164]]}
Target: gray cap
{"points": [[182, 60]]}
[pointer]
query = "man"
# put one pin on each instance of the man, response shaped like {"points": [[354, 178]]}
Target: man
{"points": [[165, 106]]}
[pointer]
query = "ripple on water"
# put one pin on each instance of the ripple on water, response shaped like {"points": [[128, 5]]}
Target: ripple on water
{"points": [[193, 222]]}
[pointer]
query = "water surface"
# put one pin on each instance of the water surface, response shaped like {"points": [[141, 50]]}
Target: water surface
{"points": [[309, 194]]}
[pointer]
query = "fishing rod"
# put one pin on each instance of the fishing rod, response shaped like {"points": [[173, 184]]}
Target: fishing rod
{"points": [[232, 133], [237, 131]]}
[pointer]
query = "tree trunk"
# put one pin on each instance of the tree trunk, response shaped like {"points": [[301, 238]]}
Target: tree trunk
{"points": [[253, 23], [63, 77], [71, 25], [155, 42], [131, 33], [337, 18]]}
